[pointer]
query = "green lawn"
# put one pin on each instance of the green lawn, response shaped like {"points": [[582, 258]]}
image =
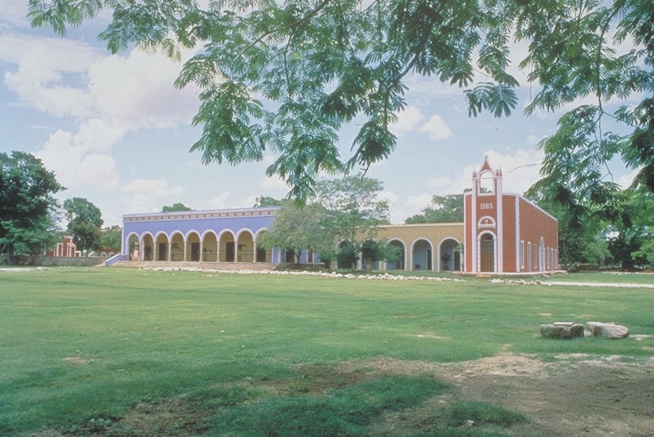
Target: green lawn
{"points": [[84, 346]]}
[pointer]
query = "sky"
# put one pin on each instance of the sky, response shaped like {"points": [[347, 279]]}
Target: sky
{"points": [[117, 132]]}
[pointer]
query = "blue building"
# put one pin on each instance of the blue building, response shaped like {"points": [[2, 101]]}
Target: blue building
{"points": [[198, 236]]}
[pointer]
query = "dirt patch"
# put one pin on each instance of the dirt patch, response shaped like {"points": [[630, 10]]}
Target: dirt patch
{"points": [[573, 395], [576, 395]]}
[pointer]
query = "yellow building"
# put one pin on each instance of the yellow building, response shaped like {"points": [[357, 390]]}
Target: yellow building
{"points": [[434, 246]]}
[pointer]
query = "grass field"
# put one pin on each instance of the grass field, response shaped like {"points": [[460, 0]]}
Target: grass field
{"points": [[81, 349]]}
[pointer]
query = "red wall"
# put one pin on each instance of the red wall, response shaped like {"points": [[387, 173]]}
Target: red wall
{"points": [[529, 225]]}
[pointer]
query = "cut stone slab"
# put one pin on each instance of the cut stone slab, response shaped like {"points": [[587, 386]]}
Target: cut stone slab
{"points": [[611, 330], [564, 330]]}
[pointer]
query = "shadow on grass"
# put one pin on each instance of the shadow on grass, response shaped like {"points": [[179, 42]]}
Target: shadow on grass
{"points": [[350, 412], [344, 412]]}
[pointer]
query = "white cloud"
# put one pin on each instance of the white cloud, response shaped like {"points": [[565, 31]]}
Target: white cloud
{"points": [[105, 97], [395, 205], [247, 202], [75, 165], [97, 135], [388, 196], [408, 121], [14, 12], [149, 195], [419, 201], [533, 140], [274, 183], [219, 201], [410, 206], [64, 77], [437, 128], [99, 170], [627, 179], [439, 182], [137, 91], [48, 73], [153, 187], [83, 159]]}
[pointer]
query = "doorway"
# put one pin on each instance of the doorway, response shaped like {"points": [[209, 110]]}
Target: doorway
{"points": [[487, 253]]}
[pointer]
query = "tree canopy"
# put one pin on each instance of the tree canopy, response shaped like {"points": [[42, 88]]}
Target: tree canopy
{"points": [[175, 207], [27, 205], [443, 209], [344, 210], [111, 238], [84, 223], [285, 76], [352, 210], [297, 228]]}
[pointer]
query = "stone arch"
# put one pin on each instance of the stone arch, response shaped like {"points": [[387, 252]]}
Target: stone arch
{"points": [[422, 255], [449, 255], [227, 246], [176, 246], [132, 246], [245, 246], [193, 246], [161, 247], [262, 254], [487, 252], [147, 244], [209, 246], [400, 264]]}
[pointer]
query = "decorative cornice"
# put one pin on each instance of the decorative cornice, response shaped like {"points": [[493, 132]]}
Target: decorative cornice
{"points": [[195, 215]]}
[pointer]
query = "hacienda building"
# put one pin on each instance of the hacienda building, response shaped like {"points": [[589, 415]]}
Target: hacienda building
{"points": [[501, 233]]}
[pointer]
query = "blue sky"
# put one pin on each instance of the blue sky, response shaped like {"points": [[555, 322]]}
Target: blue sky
{"points": [[115, 130]]}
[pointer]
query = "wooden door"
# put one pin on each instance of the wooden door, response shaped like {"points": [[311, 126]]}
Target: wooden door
{"points": [[487, 253]]}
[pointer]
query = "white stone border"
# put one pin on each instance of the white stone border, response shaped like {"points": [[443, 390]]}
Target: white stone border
{"points": [[382, 277], [571, 284]]}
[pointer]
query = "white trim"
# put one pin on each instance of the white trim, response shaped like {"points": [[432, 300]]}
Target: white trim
{"points": [[430, 247], [500, 227], [465, 232], [440, 244], [492, 224], [203, 214], [495, 244], [517, 235], [473, 224]]}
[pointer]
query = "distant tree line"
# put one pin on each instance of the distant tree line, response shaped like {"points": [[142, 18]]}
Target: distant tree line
{"points": [[599, 229], [30, 213]]}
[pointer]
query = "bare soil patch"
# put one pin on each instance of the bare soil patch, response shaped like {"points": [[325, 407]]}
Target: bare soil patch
{"points": [[576, 395]]}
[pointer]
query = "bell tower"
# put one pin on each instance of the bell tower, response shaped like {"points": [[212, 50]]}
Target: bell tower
{"points": [[484, 226]]}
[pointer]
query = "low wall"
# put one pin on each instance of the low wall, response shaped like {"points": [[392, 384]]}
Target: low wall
{"points": [[234, 266], [62, 261]]}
